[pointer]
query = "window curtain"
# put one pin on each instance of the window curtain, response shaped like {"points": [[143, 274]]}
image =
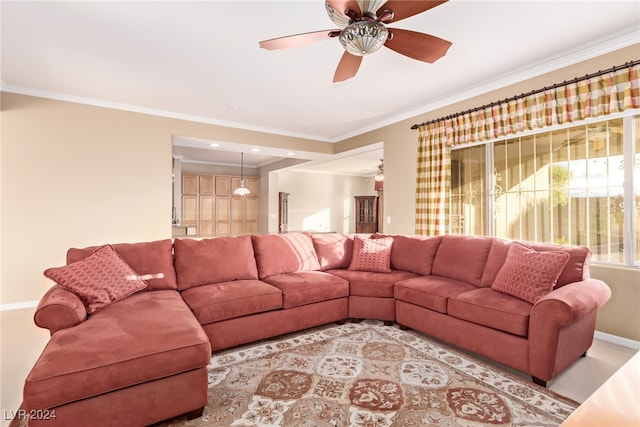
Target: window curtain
{"points": [[433, 181], [605, 93]]}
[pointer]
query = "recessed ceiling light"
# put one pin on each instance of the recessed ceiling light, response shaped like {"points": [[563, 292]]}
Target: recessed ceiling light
{"points": [[291, 153], [255, 150], [232, 106], [214, 144]]}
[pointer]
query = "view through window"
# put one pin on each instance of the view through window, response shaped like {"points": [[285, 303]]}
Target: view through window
{"points": [[578, 185]]}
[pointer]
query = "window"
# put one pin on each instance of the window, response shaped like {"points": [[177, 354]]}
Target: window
{"points": [[468, 191], [565, 186]]}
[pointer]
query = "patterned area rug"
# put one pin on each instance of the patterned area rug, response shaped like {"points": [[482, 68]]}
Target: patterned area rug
{"points": [[367, 374]]}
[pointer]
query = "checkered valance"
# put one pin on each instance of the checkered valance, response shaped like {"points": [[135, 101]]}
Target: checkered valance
{"points": [[592, 96]]}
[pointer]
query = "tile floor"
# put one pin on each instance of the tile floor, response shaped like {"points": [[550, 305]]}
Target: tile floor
{"points": [[22, 342]]}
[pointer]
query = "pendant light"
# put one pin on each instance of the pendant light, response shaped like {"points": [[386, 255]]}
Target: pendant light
{"points": [[242, 190]]}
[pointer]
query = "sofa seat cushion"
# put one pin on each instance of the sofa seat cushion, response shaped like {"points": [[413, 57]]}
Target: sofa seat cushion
{"points": [[307, 287], [370, 284], [226, 300], [491, 308], [432, 292], [147, 336]]}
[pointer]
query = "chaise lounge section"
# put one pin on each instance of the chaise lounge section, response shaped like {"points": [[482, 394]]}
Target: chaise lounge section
{"points": [[136, 361], [142, 357]]}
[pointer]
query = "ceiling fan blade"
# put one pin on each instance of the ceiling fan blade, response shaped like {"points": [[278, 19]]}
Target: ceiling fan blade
{"points": [[347, 67], [298, 40], [420, 46], [404, 9]]}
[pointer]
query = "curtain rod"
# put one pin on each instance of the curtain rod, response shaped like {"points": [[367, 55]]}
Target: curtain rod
{"points": [[533, 92]]}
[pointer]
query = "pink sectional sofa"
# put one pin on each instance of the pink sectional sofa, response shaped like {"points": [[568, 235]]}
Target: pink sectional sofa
{"points": [[141, 356]]}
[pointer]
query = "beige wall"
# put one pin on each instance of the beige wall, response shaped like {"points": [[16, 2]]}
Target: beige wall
{"points": [[77, 175], [322, 202], [269, 188], [621, 315], [74, 175]]}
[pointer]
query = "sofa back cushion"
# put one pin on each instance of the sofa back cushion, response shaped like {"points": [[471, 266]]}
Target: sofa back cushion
{"points": [[284, 253], [215, 260], [414, 253], [576, 269], [145, 258], [334, 250], [462, 258]]}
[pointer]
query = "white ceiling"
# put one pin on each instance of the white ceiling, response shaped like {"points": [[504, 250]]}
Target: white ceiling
{"points": [[201, 61]]}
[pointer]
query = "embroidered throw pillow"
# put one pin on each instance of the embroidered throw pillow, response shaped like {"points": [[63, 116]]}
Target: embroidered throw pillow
{"points": [[528, 274], [371, 254], [99, 279]]}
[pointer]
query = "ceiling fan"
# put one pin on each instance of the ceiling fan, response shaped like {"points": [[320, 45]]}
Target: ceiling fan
{"points": [[363, 31]]}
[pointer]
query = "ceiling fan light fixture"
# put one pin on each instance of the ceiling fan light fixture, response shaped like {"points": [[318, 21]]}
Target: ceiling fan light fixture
{"points": [[363, 37]]}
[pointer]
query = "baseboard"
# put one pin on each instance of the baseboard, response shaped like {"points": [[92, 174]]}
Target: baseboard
{"points": [[614, 339], [18, 305]]}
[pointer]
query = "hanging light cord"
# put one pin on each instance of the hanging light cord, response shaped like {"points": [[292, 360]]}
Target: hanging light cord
{"points": [[241, 166]]}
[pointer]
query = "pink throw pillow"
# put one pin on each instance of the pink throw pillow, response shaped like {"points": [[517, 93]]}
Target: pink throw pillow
{"points": [[528, 274], [99, 279], [152, 260], [371, 254]]}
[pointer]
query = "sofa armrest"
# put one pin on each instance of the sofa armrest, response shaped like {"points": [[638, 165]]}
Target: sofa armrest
{"points": [[562, 324], [572, 301], [59, 309]]}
